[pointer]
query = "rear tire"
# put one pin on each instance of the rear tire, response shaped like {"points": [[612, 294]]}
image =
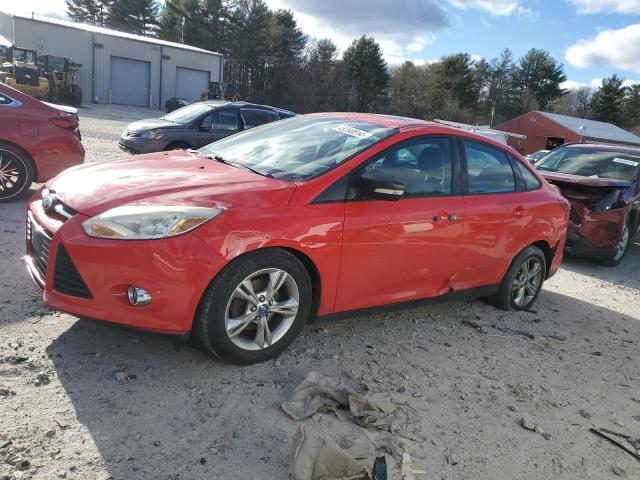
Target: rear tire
{"points": [[621, 248], [248, 325], [16, 172], [523, 281]]}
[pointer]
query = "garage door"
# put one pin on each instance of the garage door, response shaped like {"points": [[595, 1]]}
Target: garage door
{"points": [[191, 83], [129, 82]]}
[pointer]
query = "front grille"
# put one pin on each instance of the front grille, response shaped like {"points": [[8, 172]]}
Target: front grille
{"points": [[66, 278], [40, 246]]}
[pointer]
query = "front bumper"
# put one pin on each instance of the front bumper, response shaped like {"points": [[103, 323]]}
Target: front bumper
{"points": [[137, 145], [176, 271], [579, 245]]}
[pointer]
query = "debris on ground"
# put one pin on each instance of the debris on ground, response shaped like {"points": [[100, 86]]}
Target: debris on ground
{"points": [[528, 424], [625, 442], [406, 469], [319, 458], [320, 393], [380, 468], [619, 471]]}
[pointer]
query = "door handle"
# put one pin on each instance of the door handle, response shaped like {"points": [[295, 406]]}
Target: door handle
{"points": [[518, 211], [451, 217]]}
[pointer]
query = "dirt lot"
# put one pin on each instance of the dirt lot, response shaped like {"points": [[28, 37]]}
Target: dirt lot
{"points": [[83, 400]]}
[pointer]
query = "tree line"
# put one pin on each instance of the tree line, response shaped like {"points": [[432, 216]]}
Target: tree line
{"points": [[268, 59]]}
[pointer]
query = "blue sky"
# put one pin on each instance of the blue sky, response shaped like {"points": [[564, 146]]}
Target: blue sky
{"points": [[593, 38]]}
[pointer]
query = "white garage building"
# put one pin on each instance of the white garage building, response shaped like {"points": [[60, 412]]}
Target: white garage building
{"points": [[117, 67]]}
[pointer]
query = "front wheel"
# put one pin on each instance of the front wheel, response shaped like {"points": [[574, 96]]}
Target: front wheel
{"points": [[523, 280], [621, 248], [255, 307]]}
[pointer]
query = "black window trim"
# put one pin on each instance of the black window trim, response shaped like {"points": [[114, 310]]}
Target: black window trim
{"points": [[12, 104], [456, 185], [520, 178], [464, 168]]}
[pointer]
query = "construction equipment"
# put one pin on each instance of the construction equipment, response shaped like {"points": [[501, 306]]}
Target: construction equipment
{"points": [[20, 71], [61, 74], [217, 91]]}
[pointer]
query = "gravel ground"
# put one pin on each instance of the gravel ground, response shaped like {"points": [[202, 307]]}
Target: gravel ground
{"points": [[84, 400]]}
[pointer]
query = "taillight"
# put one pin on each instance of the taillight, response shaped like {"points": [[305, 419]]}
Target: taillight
{"points": [[69, 122]]}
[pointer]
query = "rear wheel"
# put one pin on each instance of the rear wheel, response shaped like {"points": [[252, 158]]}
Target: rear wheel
{"points": [[255, 307], [16, 173], [523, 280], [621, 248]]}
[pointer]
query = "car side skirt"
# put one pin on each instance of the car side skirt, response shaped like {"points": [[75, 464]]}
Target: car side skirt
{"points": [[478, 292]]}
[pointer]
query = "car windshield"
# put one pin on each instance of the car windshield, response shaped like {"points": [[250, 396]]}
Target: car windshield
{"points": [[298, 148], [187, 114], [591, 162]]}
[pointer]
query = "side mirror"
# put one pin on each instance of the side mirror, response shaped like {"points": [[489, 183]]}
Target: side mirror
{"points": [[380, 186]]}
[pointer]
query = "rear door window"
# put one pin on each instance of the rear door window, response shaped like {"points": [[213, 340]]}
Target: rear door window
{"points": [[488, 169], [226, 120], [255, 118]]}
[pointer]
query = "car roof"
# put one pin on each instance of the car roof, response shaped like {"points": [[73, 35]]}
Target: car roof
{"points": [[388, 121], [240, 104], [605, 147]]}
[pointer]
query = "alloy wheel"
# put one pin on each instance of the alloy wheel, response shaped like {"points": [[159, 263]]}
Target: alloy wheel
{"points": [[12, 173], [622, 245], [262, 309], [527, 282]]}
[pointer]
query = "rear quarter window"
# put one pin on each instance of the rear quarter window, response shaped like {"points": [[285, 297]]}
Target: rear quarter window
{"points": [[529, 179]]}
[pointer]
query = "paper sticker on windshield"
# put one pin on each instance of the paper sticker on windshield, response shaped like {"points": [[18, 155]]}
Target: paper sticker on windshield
{"points": [[354, 132], [626, 162]]}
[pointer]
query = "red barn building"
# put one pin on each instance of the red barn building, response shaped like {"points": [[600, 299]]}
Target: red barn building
{"points": [[546, 131]]}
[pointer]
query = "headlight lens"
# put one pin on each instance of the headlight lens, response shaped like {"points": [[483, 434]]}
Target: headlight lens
{"points": [[152, 134], [148, 222]]}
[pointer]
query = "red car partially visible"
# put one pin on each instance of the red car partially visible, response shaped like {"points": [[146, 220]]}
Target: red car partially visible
{"points": [[37, 141], [602, 182]]}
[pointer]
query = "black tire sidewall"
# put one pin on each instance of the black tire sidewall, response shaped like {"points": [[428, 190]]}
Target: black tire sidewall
{"points": [[210, 321], [611, 262], [26, 162], [505, 297]]}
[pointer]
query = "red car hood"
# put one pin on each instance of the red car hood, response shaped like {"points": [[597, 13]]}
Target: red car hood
{"points": [[172, 178], [555, 177]]}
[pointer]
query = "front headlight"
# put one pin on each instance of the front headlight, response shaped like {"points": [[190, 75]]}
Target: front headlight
{"points": [[147, 222], [152, 134]]}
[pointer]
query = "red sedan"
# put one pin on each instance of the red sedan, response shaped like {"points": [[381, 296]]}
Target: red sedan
{"points": [[37, 141], [324, 215]]}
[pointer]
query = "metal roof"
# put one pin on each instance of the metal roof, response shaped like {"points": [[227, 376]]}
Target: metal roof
{"points": [[593, 129], [114, 33], [4, 42]]}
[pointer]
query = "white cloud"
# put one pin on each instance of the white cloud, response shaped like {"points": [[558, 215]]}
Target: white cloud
{"points": [[595, 84], [476, 58], [610, 48], [55, 8], [494, 7], [607, 6], [415, 47]]}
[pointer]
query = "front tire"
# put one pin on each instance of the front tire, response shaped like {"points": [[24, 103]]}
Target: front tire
{"points": [[621, 248], [523, 281], [255, 307], [16, 172]]}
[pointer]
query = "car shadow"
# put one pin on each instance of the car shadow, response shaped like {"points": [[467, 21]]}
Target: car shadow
{"points": [[626, 273], [153, 412]]}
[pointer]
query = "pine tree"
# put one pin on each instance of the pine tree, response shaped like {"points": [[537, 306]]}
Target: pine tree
{"points": [[134, 16], [608, 101], [367, 70], [631, 107], [88, 11], [538, 77]]}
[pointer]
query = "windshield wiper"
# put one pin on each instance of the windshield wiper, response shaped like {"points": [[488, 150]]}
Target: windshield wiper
{"points": [[219, 158]]}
